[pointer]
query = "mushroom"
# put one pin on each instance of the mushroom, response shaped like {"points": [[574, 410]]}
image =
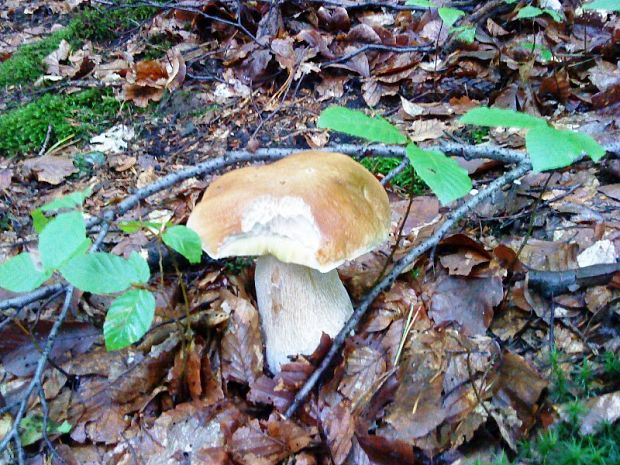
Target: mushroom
{"points": [[303, 216]]}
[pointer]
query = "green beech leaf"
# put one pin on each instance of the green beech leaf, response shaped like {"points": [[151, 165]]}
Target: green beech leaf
{"points": [[450, 15], [529, 12], [185, 241], [75, 199], [421, 3], [444, 176], [100, 273], [130, 227], [63, 238], [128, 319], [355, 123], [557, 17], [607, 5], [31, 428], [39, 220], [551, 148], [19, 274], [499, 117], [465, 34], [143, 273]]}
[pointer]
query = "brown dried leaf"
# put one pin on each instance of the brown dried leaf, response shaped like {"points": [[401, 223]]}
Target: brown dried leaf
{"points": [[422, 130], [417, 408], [20, 351], [520, 387], [598, 410], [467, 301], [242, 348], [50, 169], [268, 444], [339, 426], [363, 367], [52, 61]]}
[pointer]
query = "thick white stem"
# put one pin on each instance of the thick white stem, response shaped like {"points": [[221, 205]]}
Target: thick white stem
{"points": [[296, 305]]}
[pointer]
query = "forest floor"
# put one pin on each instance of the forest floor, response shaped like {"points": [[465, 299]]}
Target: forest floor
{"points": [[477, 353]]}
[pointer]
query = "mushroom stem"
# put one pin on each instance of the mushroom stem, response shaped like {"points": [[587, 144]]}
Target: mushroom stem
{"points": [[297, 304]]}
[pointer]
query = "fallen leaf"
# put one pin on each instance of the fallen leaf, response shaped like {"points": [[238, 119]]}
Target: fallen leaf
{"points": [[50, 169], [242, 348], [269, 443], [114, 140], [598, 410], [339, 426], [20, 354], [467, 301], [599, 253]]}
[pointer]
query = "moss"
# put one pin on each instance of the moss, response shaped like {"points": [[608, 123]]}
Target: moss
{"points": [[23, 130], [95, 24], [27, 63], [406, 179]]}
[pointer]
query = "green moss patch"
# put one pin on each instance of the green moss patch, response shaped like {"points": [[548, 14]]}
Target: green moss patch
{"points": [[22, 131]]}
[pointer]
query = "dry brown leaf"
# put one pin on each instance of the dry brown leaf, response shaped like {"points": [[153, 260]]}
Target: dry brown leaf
{"points": [[422, 130], [269, 443], [242, 348], [50, 169], [598, 410], [467, 301], [6, 175], [363, 367], [339, 426]]}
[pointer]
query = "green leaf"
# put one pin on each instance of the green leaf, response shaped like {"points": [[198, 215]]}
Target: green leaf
{"points": [[19, 274], [551, 148], [355, 123], [31, 428], [465, 34], [529, 12], [185, 241], [608, 5], [63, 238], [100, 273], [444, 176], [128, 319], [450, 15], [557, 17], [499, 117], [421, 3], [75, 199], [39, 220], [140, 265], [130, 227]]}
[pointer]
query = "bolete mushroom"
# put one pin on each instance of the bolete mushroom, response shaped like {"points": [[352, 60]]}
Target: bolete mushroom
{"points": [[303, 216]]}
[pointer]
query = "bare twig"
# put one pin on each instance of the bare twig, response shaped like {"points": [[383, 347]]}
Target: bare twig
{"points": [[380, 48], [395, 172], [387, 281], [46, 141], [13, 433]]}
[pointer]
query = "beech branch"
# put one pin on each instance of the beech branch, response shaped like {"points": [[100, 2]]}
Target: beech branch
{"points": [[398, 268]]}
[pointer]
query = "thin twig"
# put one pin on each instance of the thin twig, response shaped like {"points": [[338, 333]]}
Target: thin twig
{"points": [[395, 172], [46, 141], [387, 281], [381, 48], [13, 433]]}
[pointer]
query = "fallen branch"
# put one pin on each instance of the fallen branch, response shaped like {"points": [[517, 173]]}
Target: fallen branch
{"points": [[13, 433], [398, 268], [551, 283], [468, 152]]}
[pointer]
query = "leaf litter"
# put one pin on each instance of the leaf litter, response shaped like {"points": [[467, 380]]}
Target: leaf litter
{"points": [[457, 348]]}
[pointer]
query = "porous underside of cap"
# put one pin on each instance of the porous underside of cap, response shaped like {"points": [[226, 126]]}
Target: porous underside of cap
{"points": [[316, 209]]}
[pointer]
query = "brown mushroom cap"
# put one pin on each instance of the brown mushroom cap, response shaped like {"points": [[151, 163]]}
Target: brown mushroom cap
{"points": [[316, 209]]}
